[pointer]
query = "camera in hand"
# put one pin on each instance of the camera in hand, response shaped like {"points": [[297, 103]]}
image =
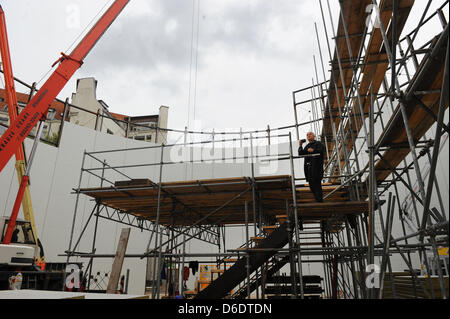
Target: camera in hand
{"points": [[303, 141]]}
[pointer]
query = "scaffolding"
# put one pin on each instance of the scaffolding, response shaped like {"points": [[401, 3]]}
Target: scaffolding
{"points": [[373, 113]]}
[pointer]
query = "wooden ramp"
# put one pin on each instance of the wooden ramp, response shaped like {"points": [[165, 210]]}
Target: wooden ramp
{"points": [[428, 79], [375, 66], [355, 18]]}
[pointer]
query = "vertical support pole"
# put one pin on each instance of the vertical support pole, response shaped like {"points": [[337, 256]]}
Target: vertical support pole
{"points": [[352, 262], [253, 197], [240, 136], [392, 59], [333, 80], [247, 255], [372, 190], [155, 290], [361, 258], [63, 119], [291, 254], [182, 267], [160, 265], [69, 250], [127, 131], [295, 115], [341, 109], [406, 240], [387, 241], [436, 184], [322, 106], [326, 259], [354, 69], [437, 142], [91, 261], [294, 206]]}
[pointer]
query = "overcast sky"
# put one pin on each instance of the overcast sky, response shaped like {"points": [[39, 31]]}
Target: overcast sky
{"points": [[234, 62]]}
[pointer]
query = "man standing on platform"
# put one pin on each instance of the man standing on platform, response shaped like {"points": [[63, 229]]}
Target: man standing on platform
{"points": [[313, 164]]}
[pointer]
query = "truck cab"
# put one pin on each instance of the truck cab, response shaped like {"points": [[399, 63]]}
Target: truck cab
{"points": [[22, 250]]}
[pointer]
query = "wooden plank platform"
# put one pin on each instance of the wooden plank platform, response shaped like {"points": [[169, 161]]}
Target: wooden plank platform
{"points": [[230, 260], [257, 239], [375, 65], [221, 201], [269, 229], [355, 18]]}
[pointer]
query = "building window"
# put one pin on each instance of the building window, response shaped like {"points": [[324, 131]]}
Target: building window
{"points": [[143, 126], [149, 138], [51, 114], [139, 138], [3, 119], [108, 131]]}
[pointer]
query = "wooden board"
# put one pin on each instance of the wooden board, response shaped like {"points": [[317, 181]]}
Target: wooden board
{"points": [[118, 261], [375, 64]]}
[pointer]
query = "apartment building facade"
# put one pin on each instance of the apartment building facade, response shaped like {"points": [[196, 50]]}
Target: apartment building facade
{"points": [[87, 111]]}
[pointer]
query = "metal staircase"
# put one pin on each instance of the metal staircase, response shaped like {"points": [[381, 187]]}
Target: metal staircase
{"points": [[237, 273]]}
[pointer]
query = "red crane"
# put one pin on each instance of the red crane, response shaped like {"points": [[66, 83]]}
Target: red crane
{"points": [[36, 110]]}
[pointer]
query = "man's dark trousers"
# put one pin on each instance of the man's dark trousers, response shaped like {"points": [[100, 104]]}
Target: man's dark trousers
{"points": [[315, 185]]}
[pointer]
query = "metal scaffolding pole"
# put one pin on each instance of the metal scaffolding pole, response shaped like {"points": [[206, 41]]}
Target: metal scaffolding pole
{"points": [[155, 289], [291, 254], [247, 255], [296, 223]]}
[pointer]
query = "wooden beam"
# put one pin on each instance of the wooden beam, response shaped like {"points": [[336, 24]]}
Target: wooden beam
{"points": [[118, 261]]}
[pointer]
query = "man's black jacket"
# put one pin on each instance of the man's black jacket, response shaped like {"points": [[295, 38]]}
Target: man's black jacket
{"points": [[313, 165]]}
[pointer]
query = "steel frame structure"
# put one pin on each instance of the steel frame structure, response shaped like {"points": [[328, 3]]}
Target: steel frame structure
{"points": [[401, 88], [349, 244]]}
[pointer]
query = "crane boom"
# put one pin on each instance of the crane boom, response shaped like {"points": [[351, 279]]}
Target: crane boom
{"points": [[38, 106], [11, 100]]}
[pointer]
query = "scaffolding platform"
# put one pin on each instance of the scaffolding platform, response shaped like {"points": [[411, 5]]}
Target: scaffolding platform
{"points": [[221, 201]]}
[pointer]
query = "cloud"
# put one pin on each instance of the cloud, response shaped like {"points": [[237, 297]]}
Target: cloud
{"points": [[251, 55], [166, 36]]}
